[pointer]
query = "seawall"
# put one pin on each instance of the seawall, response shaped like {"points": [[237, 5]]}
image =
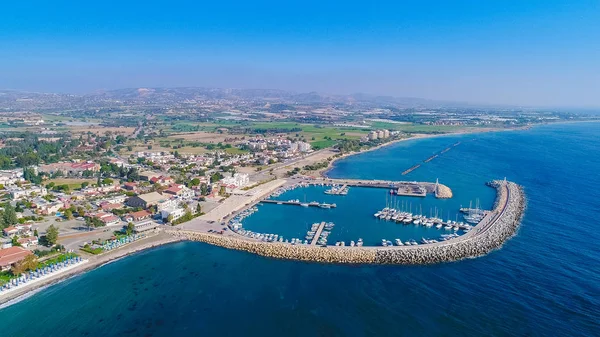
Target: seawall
{"points": [[498, 226]]}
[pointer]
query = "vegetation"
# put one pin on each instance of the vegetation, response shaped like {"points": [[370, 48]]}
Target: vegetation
{"points": [[51, 236]]}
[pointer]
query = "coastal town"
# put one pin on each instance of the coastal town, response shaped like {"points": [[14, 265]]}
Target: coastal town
{"points": [[79, 191]]}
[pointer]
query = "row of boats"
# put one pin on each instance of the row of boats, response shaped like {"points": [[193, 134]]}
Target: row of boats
{"points": [[338, 190], [391, 214], [359, 243], [284, 189], [322, 239], [398, 242], [312, 203]]}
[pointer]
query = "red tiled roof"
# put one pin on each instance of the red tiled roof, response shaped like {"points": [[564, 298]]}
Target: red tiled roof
{"points": [[12, 255], [109, 206], [140, 214]]}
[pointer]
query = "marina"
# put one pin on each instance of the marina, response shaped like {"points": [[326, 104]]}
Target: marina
{"points": [[497, 226]]}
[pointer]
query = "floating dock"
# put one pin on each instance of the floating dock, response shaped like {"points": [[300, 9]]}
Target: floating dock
{"points": [[318, 234], [297, 203]]}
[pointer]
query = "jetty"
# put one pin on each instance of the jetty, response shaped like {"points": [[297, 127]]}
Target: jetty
{"points": [[432, 157], [318, 234], [402, 188], [500, 224], [298, 203]]}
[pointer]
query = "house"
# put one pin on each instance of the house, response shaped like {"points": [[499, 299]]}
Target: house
{"points": [[117, 199], [107, 207], [139, 216], [108, 219], [10, 231], [162, 180], [167, 203], [10, 256], [10, 177], [174, 212], [18, 193], [130, 186], [144, 226], [24, 229], [28, 241], [146, 200], [69, 169], [47, 208], [147, 175]]}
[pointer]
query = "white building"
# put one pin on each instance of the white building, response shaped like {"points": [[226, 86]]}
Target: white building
{"points": [[17, 193], [10, 177], [238, 179], [144, 225], [175, 212], [303, 147], [373, 135]]}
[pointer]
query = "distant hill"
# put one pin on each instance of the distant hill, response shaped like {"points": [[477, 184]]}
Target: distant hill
{"points": [[169, 96]]}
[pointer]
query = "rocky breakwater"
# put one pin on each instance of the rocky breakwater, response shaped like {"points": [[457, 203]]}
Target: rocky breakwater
{"points": [[357, 255], [443, 192], [500, 224]]}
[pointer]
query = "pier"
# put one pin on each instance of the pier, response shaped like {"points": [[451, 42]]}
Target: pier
{"points": [[318, 234], [402, 188], [298, 203]]}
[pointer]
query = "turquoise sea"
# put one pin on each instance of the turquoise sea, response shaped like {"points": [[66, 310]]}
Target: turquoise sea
{"points": [[543, 282]]}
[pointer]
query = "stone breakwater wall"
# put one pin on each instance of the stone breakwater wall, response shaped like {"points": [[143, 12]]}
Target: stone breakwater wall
{"points": [[499, 226], [502, 224], [357, 255]]}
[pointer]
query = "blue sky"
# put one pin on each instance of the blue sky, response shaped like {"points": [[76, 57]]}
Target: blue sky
{"points": [[527, 52]]}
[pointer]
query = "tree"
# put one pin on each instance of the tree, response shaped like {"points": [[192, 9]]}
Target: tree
{"points": [[204, 189], [51, 235], [130, 228], [15, 241], [216, 177], [35, 233], [10, 215], [85, 184], [198, 208], [69, 214], [30, 262], [195, 182]]}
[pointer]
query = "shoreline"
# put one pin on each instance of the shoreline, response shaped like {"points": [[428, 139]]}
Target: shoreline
{"points": [[93, 263], [363, 255]]}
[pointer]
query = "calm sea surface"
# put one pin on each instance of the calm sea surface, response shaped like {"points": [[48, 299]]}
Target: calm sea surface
{"points": [[543, 282]]}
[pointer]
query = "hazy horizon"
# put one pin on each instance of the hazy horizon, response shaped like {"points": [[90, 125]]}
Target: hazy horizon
{"points": [[514, 53]]}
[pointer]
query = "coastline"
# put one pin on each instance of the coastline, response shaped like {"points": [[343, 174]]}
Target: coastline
{"points": [[368, 255], [323, 172], [93, 262]]}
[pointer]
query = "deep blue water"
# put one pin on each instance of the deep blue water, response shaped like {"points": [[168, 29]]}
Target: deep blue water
{"points": [[543, 282]]}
